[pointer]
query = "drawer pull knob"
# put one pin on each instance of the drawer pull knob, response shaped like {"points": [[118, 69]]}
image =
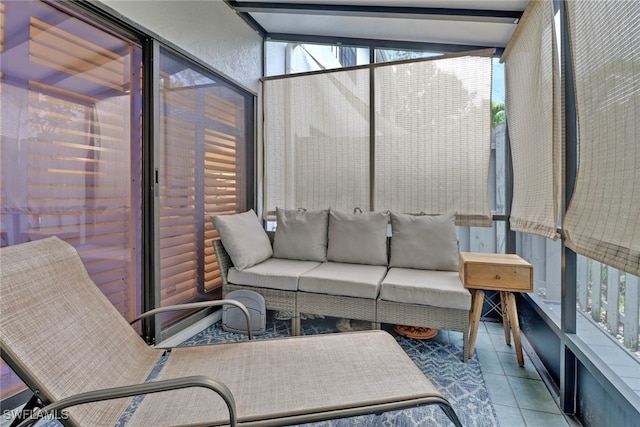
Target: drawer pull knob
{"points": [[497, 276]]}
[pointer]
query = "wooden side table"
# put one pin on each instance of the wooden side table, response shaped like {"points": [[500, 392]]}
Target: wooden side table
{"points": [[506, 273]]}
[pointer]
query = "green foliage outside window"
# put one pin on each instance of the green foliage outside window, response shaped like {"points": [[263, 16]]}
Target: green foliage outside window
{"points": [[497, 114]]}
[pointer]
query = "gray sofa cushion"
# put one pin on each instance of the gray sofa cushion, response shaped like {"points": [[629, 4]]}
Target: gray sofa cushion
{"points": [[358, 238], [274, 273], [301, 235], [352, 280], [243, 238], [424, 242], [426, 287]]}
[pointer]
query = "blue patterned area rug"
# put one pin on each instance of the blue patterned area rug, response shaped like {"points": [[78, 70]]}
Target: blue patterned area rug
{"points": [[461, 383]]}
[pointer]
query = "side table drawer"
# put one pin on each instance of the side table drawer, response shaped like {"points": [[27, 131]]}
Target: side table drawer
{"points": [[504, 272]]}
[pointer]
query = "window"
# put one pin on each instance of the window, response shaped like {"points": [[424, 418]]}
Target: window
{"points": [[292, 57], [430, 117], [481, 239], [388, 55]]}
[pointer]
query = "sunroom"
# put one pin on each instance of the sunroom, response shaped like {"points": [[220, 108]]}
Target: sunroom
{"points": [[126, 125]]}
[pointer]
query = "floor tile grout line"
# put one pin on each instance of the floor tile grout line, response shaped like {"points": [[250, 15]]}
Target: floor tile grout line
{"points": [[507, 376]]}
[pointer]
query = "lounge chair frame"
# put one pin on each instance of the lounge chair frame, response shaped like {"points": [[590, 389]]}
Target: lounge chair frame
{"points": [[89, 353]]}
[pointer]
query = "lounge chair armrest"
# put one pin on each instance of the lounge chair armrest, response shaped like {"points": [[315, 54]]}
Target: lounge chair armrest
{"points": [[138, 389], [202, 304]]}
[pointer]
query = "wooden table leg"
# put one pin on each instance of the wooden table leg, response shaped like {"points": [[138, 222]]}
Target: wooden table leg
{"points": [[515, 326], [477, 298], [505, 317]]}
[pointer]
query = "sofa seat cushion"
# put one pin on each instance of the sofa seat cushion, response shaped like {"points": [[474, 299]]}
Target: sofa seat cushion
{"points": [[351, 280], [426, 287], [274, 273]]}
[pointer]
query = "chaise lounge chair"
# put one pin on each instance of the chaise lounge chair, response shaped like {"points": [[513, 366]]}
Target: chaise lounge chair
{"points": [[74, 350]]}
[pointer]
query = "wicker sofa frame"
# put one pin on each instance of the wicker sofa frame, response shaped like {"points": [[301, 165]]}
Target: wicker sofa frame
{"points": [[275, 299], [426, 316], [338, 306], [376, 311]]}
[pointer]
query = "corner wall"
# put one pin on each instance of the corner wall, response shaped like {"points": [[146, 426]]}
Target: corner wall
{"points": [[209, 30]]}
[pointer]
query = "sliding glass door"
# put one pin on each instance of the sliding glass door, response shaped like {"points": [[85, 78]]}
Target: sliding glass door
{"points": [[71, 143], [70, 162], [203, 168]]}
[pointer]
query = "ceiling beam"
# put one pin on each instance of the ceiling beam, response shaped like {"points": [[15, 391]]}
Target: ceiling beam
{"points": [[248, 19], [480, 15], [382, 44]]}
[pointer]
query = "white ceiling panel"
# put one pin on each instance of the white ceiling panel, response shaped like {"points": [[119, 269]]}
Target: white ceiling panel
{"points": [[419, 30], [518, 5], [455, 23]]}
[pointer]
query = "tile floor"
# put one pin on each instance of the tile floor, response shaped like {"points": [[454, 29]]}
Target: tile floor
{"points": [[519, 395]]}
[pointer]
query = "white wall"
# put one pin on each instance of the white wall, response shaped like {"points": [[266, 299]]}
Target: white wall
{"points": [[208, 29]]}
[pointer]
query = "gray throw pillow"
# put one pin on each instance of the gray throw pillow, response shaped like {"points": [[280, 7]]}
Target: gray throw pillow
{"points": [[424, 242], [243, 238], [301, 235], [358, 238]]}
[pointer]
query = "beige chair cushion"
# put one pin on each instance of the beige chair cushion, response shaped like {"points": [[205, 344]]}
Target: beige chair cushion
{"points": [[424, 242], [351, 280], [67, 336], [358, 238], [243, 238], [274, 273], [328, 374], [301, 235], [426, 287]]}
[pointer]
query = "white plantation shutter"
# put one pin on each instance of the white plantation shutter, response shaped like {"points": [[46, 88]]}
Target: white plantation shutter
{"points": [[180, 215], [203, 171], [225, 171]]}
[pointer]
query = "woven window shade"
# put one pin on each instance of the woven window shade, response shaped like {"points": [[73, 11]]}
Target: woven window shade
{"points": [[431, 149], [603, 219], [533, 111], [316, 134], [433, 137]]}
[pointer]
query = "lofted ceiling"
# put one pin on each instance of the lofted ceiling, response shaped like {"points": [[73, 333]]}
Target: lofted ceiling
{"points": [[435, 25]]}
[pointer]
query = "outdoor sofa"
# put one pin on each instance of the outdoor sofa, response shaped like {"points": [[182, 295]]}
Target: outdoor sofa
{"points": [[338, 264]]}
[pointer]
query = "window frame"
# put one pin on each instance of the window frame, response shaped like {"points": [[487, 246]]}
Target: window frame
{"points": [[156, 330]]}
